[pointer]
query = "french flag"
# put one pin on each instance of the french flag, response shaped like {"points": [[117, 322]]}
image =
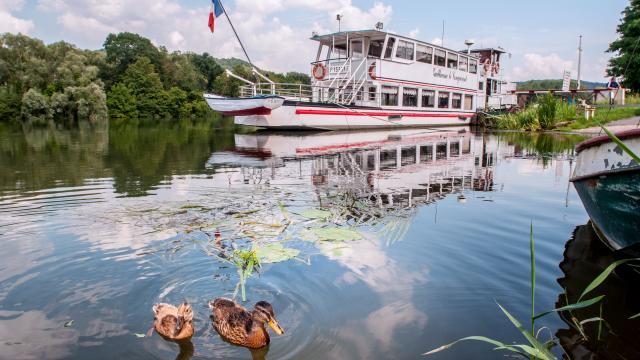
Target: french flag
{"points": [[216, 10]]}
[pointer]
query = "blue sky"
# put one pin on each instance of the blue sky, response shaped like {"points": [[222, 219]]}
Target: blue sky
{"points": [[541, 35]]}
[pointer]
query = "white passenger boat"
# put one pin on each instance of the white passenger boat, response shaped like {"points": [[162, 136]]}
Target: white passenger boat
{"points": [[374, 79]]}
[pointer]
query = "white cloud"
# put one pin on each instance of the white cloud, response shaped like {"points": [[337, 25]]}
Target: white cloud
{"points": [[10, 23], [538, 66], [414, 33], [271, 43]]}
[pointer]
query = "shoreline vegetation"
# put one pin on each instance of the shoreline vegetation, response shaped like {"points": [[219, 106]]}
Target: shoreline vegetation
{"points": [[549, 113], [130, 79]]}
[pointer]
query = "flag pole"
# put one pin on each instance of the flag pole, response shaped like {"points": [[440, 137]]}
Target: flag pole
{"points": [[236, 33]]}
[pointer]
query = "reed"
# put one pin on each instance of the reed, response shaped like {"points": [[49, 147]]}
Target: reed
{"points": [[535, 348]]}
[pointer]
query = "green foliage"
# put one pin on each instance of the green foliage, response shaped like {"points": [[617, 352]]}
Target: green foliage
{"points": [[603, 116], [122, 104], [625, 61], [547, 106], [126, 48], [544, 114], [555, 84], [142, 81]]}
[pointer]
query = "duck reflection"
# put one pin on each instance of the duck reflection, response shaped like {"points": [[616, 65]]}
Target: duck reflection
{"points": [[585, 257]]}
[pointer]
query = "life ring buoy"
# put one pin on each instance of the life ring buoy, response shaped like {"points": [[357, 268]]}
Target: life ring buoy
{"points": [[372, 71], [487, 65], [319, 71]]}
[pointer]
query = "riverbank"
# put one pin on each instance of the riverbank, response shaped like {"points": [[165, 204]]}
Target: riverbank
{"points": [[613, 126]]}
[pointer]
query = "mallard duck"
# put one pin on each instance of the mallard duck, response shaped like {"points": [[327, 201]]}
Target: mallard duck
{"points": [[174, 323], [242, 327]]}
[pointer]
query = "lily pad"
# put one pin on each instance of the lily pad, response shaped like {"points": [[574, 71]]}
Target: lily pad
{"points": [[275, 252], [316, 214], [335, 234], [335, 250]]}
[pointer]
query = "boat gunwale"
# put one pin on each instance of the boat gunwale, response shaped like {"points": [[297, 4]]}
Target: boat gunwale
{"points": [[603, 139], [605, 173]]}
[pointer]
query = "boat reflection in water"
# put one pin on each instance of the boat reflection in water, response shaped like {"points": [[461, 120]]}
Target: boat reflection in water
{"points": [[585, 257], [401, 168]]}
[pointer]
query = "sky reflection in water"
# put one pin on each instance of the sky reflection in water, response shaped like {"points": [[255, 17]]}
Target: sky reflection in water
{"points": [[97, 226]]}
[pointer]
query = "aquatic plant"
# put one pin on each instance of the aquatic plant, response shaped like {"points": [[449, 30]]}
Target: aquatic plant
{"points": [[246, 261], [535, 349]]}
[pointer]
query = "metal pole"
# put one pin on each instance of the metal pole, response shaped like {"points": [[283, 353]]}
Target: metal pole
{"points": [[579, 59], [236, 33], [442, 38]]}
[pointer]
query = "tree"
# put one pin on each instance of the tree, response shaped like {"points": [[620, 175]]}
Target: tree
{"points": [[35, 107], [626, 61], [144, 83], [122, 103], [126, 48], [208, 67]]}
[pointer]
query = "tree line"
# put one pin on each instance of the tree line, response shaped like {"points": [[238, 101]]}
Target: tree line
{"points": [[129, 79]]}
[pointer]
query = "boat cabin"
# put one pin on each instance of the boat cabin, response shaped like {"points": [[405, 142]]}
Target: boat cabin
{"points": [[379, 69]]}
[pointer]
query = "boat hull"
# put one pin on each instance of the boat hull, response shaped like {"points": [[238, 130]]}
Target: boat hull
{"points": [[293, 115], [608, 183], [254, 106]]}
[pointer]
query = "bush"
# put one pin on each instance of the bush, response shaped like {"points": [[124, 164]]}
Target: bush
{"points": [[35, 108], [547, 106]]}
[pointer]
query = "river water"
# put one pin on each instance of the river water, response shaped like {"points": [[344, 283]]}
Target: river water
{"points": [[97, 225]]}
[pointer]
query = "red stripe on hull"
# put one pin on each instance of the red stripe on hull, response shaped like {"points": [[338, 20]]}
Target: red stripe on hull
{"points": [[247, 112], [379, 113]]}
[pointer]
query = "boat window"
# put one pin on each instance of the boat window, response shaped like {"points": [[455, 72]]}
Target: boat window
{"points": [[468, 102], [462, 66], [443, 100], [389, 50], [339, 51], [405, 50], [372, 93], [356, 49], [441, 151], [409, 97], [388, 159], [473, 66], [452, 61], [408, 155], [428, 98], [481, 85], [440, 58], [454, 149], [390, 96], [424, 54], [375, 48], [426, 153], [456, 101]]}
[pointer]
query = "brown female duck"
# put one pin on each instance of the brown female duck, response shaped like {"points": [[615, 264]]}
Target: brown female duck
{"points": [[241, 327], [173, 323]]}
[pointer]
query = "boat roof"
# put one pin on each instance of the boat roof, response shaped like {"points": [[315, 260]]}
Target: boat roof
{"points": [[496, 50], [344, 35]]}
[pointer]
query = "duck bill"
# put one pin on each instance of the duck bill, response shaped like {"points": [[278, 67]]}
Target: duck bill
{"points": [[273, 324]]}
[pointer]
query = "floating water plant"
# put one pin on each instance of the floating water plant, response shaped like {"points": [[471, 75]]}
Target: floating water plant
{"points": [[274, 253]]}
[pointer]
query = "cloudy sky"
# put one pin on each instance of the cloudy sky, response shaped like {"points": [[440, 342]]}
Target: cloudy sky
{"points": [[541, 35]]}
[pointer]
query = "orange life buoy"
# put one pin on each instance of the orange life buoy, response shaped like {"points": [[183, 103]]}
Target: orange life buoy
{"points": [[319, 71], [372, 71]]}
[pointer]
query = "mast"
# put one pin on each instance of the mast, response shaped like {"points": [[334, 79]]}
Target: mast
{"points": [[236, 33], [579, 59]]}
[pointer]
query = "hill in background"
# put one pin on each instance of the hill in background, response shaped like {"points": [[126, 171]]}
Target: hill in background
{"points": [[556, 84]]}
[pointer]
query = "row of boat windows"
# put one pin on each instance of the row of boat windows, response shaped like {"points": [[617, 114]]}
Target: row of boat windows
{"points": [[408, 50], [415, 97]]}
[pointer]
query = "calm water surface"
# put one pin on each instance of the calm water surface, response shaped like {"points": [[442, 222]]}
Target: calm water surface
{"points": [[98, 225]]}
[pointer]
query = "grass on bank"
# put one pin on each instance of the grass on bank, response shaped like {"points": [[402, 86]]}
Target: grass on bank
{"points": [[548, 112]]}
